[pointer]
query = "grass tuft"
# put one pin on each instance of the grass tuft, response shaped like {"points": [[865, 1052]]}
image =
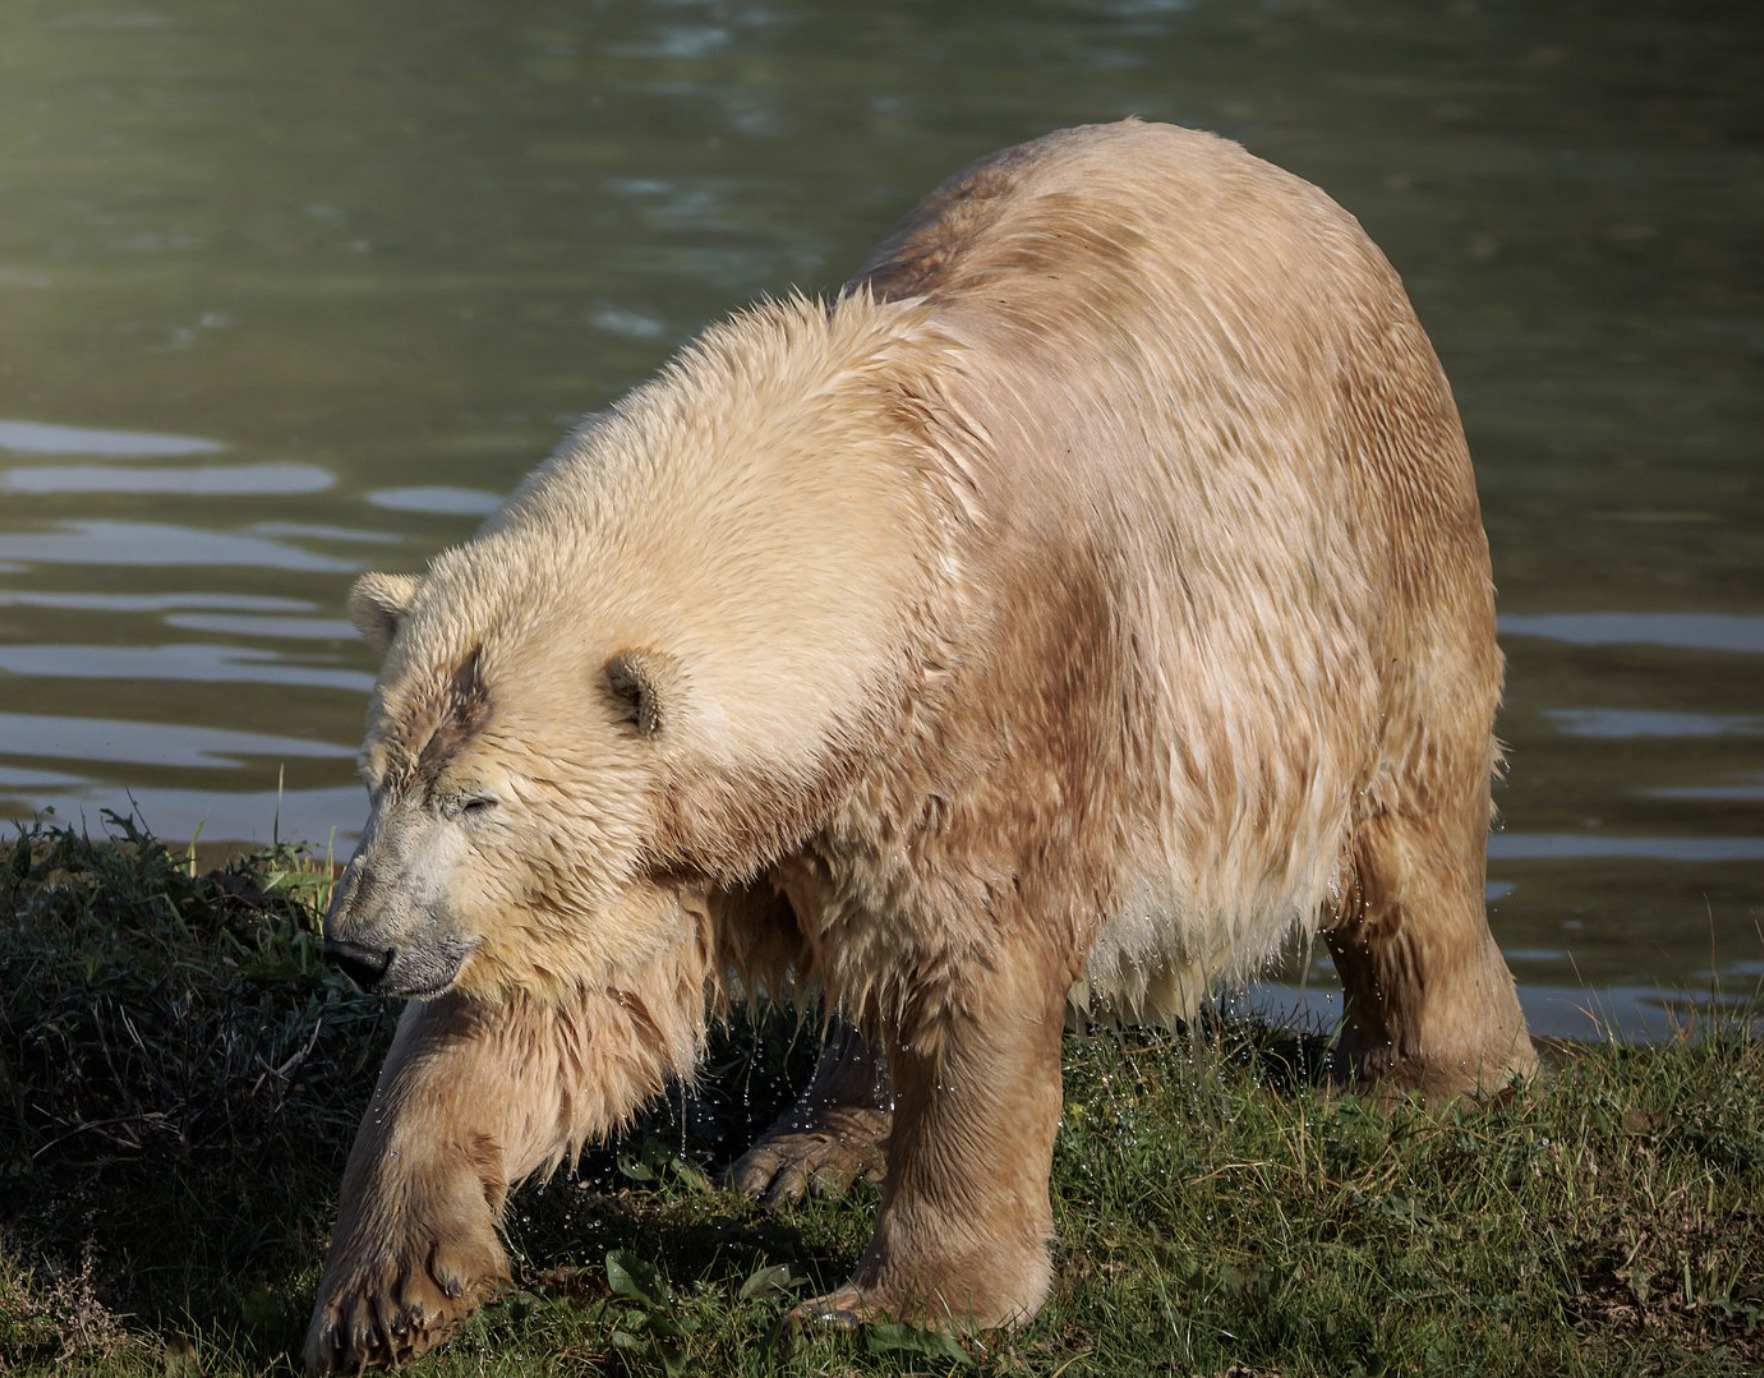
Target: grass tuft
{"points": [[180, 1078]]}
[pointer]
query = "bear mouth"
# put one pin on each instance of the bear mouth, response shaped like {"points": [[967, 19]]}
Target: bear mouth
{"points": [[413, 972], [421, 992]]}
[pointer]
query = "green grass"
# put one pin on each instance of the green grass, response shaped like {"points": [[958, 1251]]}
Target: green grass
{"points": [[180, 1078]]}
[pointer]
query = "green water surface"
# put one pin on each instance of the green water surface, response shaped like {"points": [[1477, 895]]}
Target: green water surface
{"points": [[291, 291]]}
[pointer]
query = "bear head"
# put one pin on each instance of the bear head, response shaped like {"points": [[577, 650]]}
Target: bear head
{"points": [[654, 670], [514, 777]]}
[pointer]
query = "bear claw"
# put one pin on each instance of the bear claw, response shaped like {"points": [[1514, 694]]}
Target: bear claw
{"points": [[842, 1310], [366, 1323], [819, 1156]]}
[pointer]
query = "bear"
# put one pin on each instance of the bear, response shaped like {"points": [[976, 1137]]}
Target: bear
{"points": [[1088, 599]]}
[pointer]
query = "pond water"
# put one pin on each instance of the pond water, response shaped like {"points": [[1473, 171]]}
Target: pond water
{"points": [[288, 292]]}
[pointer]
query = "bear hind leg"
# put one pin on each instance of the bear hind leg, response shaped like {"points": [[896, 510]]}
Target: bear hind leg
{"points": [[1431, 1007], [835, 1134]]}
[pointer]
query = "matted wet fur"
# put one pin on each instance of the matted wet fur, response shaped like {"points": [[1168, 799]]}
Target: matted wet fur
{"points": [[1089, 598]]}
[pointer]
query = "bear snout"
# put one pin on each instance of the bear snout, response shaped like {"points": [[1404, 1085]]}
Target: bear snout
{"points": [[416, 970], [362, 965], [387, 941]]}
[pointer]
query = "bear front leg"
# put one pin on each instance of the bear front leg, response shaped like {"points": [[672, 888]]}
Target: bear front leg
{"points": [[416, 1249], [473, 1098], [963, 1231], [835, 1134]]}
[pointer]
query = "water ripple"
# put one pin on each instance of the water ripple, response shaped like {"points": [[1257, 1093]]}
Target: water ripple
{"points": [[47, 737], [1585, 847], [228, 480], [160, 544], [1624, 723], [153, 602], [201, 662], [276, 628], [1697, 631], [36, 438], [451, 502]]}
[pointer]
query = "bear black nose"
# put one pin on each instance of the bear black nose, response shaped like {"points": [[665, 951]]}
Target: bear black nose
{"points": [[362, 965]]}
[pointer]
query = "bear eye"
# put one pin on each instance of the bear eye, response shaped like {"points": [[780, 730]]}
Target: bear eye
{"points": [[465, 805]]}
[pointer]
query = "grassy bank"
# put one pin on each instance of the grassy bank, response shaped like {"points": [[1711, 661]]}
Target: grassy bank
{"points": [[180, 1078]]}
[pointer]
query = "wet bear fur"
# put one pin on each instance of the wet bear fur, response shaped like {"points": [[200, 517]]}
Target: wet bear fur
{"points": [[1089, 599]]}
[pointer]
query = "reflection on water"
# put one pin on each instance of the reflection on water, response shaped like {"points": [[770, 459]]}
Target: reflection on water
{"points": [[449, 502], [1749, 791], [296, 628], [281, 301], [1583, 846], [34, 438], [137, 743], [1618, 722], [157, 545], [1699, 631], [234, 480], [150, 602], [206, 662]]}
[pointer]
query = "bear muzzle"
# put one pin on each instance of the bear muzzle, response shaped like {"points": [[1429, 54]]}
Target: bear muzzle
{"points": [[414, 971], [385, 944]]}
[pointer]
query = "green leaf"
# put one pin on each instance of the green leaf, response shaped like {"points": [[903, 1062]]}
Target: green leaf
{"points": [[665, 1325], [775, 1281], [909, 1339], [631, 1276], [694, 1178], [635, 1170]]}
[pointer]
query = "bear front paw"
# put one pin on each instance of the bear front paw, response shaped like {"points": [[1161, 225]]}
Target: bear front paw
{"points": [[993, 1288], [401, 1303], [821, 1154]]}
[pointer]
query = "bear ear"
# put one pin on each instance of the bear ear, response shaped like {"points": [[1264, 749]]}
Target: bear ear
{"points": [[378, 603], [644, 686]]}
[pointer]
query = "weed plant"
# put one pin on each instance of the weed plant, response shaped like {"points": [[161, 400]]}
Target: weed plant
{"points": [[180, 1078]]}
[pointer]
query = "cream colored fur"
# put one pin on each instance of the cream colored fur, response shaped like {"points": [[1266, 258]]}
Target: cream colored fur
{"points": [[1088, 599]]}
